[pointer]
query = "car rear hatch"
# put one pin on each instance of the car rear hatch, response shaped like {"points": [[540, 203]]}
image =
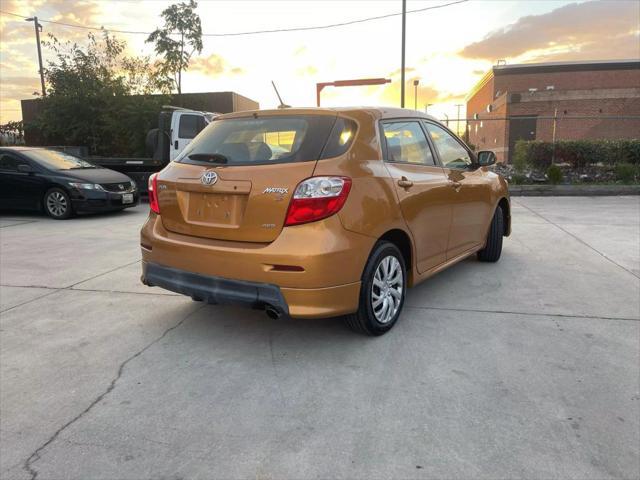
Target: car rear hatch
{"points": [[235, 180]]}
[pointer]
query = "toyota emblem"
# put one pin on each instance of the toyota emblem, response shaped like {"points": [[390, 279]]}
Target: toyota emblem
{"points": [[209, 178]]}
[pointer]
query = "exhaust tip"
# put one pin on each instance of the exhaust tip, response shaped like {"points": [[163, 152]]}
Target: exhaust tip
{"points": [[272, 313]]}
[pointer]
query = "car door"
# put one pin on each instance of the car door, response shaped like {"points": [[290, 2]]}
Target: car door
{"points": [[185, 127], [422, 188], [19, 189], [471, 204]]}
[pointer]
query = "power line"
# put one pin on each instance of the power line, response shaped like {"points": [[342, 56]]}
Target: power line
{"points": [[255, 32]]}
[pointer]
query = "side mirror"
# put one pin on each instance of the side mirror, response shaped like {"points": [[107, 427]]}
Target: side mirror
{"points": [[486, 158], [24, 168]]}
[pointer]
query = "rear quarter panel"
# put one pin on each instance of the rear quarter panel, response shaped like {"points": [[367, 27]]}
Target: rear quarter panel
{"points": [[372, 207]]}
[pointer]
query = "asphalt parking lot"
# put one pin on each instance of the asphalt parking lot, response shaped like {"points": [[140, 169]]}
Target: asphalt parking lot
{"points": [[525, 368]]}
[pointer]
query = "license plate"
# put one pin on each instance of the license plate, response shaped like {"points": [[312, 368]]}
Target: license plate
{"points": [[127, 198]]}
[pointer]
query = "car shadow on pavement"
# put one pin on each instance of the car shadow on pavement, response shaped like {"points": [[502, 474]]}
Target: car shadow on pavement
{"points": [[21, 215]]}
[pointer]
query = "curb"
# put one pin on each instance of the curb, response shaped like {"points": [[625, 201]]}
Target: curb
{"points": [[572, 190]]}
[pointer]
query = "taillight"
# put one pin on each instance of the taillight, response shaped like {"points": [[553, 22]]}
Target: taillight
{"points": [[316, 198], [153, 193]]}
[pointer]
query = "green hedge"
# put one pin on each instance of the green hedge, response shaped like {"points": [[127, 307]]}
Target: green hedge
{"points": [[577, 153]]}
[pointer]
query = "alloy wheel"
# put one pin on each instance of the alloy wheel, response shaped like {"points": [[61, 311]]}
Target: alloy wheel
{"points": [[387, 289], [57, 204]]}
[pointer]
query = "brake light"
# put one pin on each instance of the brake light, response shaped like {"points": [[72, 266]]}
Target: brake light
{"points": [[153, 193], [316, 198]]}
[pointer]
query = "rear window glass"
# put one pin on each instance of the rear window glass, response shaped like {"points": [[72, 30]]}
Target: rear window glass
{"points": [[260, 140]]}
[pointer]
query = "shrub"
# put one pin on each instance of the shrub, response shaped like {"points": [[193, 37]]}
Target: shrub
{"points": [[520, 156], [578, 153], [518, 179], [554, 174], [627, 172]]}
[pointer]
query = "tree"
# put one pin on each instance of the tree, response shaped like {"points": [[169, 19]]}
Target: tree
{"points": [[97, 96], [179, 19]]}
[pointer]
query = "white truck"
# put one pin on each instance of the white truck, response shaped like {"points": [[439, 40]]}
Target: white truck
{"points": [[177, 127]]}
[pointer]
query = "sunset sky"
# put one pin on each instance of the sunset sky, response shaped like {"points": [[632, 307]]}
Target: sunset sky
{"points": [[448, 49]]}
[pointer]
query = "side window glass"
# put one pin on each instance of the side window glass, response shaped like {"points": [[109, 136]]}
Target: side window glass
{"points": [[9, 163], [452, 154], [406, 143], [190, 126], [340, 138]]}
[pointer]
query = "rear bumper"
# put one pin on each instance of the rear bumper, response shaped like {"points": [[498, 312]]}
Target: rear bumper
{"points": [[294, 302], [329, 261], [214, 289]]}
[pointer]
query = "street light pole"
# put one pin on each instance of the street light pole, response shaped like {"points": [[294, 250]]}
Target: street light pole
{"points": [[415, 94], [404, 24], [38, 28]]}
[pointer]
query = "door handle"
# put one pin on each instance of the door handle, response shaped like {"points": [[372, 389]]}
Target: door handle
{"points": [[175, 144], [405, 183], [456, 186]]}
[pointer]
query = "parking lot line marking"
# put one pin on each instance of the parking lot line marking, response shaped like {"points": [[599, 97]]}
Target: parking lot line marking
{"points": [[576, 238], [19, 222], [104, 273], [32, 300], [506, 312]]}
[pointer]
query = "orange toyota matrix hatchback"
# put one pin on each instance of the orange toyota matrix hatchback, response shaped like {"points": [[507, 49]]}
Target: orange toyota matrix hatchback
{"points": [[321, 212]]}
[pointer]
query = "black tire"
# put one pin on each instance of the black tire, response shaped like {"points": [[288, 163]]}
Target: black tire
{"points": [[366, 319], [492, 250], [57, 204]]}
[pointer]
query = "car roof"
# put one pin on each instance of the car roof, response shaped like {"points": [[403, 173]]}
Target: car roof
{"points": [[378, 112], [20, 148]]}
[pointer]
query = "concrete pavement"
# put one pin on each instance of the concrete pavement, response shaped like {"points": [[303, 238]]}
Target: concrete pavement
{"points": [[528, 368]]}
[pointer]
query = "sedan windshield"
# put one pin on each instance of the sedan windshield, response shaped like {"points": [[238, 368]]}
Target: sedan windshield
{"points": [[55, 160]]}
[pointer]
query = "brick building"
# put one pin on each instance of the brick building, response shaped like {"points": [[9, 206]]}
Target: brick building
{"points": [[514, 102]]}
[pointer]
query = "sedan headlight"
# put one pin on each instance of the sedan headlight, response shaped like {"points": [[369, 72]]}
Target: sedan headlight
{"points": [[87, 186]]}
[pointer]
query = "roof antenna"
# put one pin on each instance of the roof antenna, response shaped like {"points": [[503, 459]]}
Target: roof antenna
{"points": [[282, 104]]}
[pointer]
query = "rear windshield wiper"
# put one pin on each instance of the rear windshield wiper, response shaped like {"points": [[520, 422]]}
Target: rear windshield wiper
{"points": [[209, 157]]}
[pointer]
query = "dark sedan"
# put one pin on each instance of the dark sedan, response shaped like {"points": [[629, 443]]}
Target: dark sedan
{"points": [[60, 184]]}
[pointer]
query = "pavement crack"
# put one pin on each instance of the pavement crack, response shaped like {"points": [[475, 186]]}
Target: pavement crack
{"points": [[575, 237], [28, 464]]}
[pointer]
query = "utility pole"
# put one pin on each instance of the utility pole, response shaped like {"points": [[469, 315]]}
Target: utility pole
{"points": [[426, 107], [38, 28], [458, 119], [415, 94], [404, 25]]}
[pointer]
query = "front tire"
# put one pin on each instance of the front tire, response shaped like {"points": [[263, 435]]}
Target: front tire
{"points": [[384, 286], [57, 204], [492, 250]]}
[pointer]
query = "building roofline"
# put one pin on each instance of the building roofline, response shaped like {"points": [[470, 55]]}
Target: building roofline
{"points": [[550, 67], [566, 66]]}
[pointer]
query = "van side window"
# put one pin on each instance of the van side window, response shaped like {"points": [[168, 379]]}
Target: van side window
{"points": [[407, 143], [190, 126], [452, 153]]}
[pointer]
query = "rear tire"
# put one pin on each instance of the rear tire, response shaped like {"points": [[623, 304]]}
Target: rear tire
{"points": [[492, 250], [57, 204], [382, 292]]}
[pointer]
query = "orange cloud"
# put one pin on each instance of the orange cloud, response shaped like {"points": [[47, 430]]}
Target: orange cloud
{"points": [[214, 66], [603, 29]]}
